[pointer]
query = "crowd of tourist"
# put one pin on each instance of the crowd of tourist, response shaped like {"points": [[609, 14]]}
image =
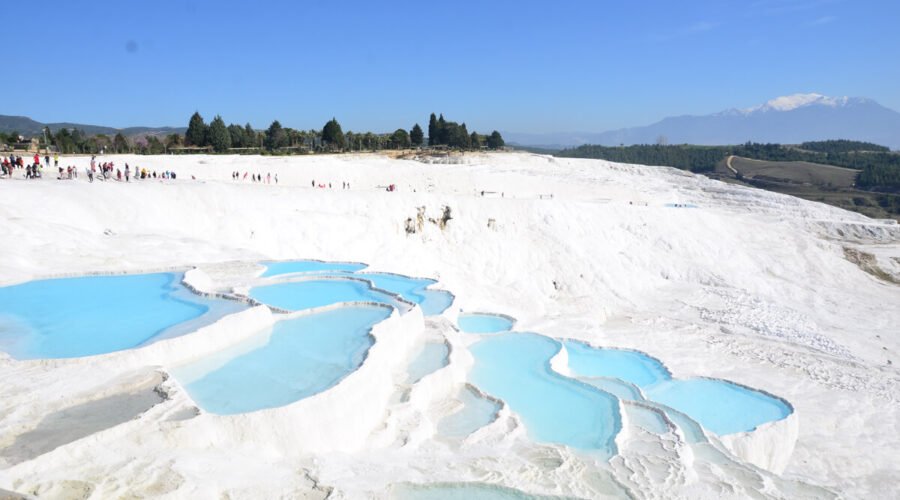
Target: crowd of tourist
{"points": [[109, 170], [97, 170], [323, 185], [236, 176]]}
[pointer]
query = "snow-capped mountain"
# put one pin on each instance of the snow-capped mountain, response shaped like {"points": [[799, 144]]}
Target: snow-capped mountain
{"points": [[796, 101], [788, 120]]}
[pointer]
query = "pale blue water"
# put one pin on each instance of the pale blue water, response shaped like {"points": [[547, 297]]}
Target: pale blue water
{"points": [[293, 360], [476, 412], [309, 266], [432, 302], [692, 431], [630, 366], [72, 317], [616, 387], [483, 323], [515, 367], [436, 302], [463, 491], [719, 406], [647, 419], [430, 358], [299, 295], [408, 288]]}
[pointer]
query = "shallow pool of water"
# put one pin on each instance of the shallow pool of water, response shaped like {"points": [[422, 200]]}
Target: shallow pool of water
{"points": [[299, 295], [630, 366], [476, 412], [309, 266], [646, 418], [719, 406], [292, 360], [515, 367], [83, 316], [415, 290], [463, 491], [432, 356], [692, 431], [436, 302], [616, 387], [484, 323]]}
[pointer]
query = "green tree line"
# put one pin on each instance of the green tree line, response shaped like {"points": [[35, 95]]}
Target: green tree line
{"points": [[842, 146], [693, 158], [880, 177], [454, 135], [331, 138], [216, 136]]}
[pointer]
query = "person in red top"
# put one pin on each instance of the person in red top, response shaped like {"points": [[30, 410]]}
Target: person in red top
{"points": [[37, 159]]}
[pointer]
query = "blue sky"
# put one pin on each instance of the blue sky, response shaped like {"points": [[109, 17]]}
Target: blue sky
{"points": [[510, 65]]}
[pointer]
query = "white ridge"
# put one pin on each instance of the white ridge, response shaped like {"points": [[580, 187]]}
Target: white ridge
{"points": [[796, 101]]}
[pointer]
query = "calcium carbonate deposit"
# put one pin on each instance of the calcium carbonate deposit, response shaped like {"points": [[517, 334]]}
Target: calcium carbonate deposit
{"points": [[499, 326]]}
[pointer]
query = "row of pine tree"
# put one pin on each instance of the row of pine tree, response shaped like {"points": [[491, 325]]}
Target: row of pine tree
{"points": [[331, 138]]}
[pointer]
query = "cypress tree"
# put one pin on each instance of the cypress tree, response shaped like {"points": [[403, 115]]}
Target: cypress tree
{"points": [[196, 134], [463, 138], [432, 130], [442, 135], [332, 134], [219, 136], [251, 139], [237, 136], [416, 137], [275, 136]]}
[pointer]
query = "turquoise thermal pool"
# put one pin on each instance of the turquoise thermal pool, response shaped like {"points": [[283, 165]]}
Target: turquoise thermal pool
{"points": [[435, 302], [414, 290], [299, 295], [484, 323], [294, 359], [618, 388], [303, 356], [309, 266], [83, 316], [718, 405], [630, 366], [515, 367]]}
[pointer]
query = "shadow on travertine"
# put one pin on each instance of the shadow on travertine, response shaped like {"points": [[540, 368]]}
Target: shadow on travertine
{"points": [[82, 420]]}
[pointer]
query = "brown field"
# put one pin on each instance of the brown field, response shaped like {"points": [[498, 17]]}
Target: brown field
{"points": [[810, 181], [794, 172]]}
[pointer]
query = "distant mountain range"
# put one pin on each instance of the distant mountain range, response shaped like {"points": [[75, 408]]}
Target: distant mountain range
{"points": [[28, 127], [786, 120]]}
